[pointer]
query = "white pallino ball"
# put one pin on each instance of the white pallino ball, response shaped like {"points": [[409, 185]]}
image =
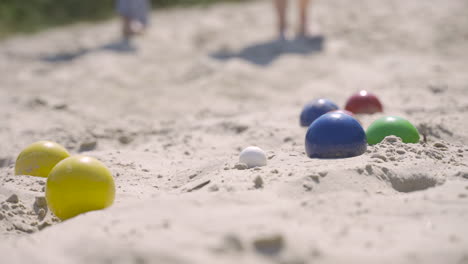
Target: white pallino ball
{"points": [[253, 157]]}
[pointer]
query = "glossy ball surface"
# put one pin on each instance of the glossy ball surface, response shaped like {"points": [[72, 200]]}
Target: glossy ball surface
{"points": [[77, 185], [364, 103], [392, 125], [315, 109], [39, 158], [343, 112], [335, 135], [253, 157]]}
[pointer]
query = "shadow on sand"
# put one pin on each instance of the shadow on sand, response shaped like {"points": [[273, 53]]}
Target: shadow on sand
{"points": [[121, 46], [265, 53]]}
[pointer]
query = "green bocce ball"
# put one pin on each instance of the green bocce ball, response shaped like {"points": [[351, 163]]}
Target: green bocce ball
{"points": [[392, 126]]}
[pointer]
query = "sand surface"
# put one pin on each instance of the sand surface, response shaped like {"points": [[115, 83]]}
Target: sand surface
{"points": [[170, 117]]}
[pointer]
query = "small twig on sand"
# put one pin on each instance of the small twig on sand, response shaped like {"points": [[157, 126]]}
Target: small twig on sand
{"points": [[199, 186]]}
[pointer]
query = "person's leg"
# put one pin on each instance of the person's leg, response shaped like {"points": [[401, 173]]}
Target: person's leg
{"points": [[127, 31], [303, 17], [281, 6], [140, 12]]}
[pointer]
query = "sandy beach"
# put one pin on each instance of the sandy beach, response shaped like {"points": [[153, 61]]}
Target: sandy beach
{"points": [[170, 114]]}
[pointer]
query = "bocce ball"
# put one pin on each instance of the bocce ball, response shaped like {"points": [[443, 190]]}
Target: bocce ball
{"points": [[343, 112], [39, 158], [364, 103], [314, 109], [253, 157], [335, 135], [392, 125], [77, 185]]}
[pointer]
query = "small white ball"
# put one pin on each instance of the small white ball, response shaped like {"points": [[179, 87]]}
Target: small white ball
{"points": [[253, 157]]}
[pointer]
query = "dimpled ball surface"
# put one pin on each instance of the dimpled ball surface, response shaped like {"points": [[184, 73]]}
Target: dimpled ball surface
{"points": [[77, 185], [392, 126], [253, 157], [364, 102], [335, 135], [315, 109], [39, 158]]}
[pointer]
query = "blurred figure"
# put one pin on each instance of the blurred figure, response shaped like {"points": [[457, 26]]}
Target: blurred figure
{"points": [[281, 8], [134, 15]]}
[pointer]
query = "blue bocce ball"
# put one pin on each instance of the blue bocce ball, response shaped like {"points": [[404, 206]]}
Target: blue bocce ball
{"points": [[335, 135], [315, 109]]}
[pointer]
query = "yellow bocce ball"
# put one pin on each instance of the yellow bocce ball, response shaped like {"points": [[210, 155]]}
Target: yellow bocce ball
{"points": [[39, 158], [77, 185]]}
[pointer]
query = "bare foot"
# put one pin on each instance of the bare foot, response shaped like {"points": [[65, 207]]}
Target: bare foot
{"points": [[137, 28]]}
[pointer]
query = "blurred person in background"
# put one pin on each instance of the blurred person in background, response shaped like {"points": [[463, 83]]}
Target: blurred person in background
{"points": [[281, 8], [134, 15]]}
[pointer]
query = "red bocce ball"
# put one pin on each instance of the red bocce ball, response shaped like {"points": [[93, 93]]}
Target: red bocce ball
{"points": [[364, 103]]}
